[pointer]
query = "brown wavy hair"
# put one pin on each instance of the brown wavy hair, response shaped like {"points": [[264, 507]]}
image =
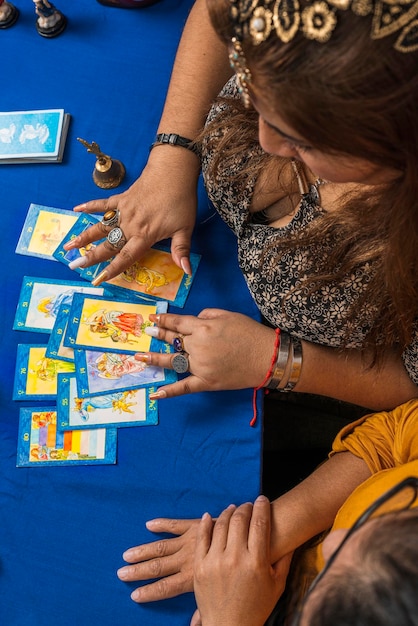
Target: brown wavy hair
{"points": [[354, 96]]}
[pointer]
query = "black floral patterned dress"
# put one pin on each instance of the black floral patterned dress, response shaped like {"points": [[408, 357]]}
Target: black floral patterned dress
{"points": [[278, 282]]}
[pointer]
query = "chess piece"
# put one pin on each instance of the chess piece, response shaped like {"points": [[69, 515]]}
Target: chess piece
{"points": [[128, 4], [8, 14], [51, 22], [108, 173]]}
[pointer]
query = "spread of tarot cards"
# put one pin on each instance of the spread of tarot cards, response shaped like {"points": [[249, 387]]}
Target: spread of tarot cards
{"points": [[85, 375]]}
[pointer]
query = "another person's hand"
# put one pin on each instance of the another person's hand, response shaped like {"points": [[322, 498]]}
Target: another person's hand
{"points": [[169, 560], [161, 204], [225, 350], [234, 581]]}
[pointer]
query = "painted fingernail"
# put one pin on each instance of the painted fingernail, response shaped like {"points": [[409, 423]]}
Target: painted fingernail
{"points": [[142, 356], [80, 262], [100, 278], [185, 266], [152, 331], [157, 395], [71, 244]]}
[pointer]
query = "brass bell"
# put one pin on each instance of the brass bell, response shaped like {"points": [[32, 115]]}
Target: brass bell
{"points": [[108, 173]]}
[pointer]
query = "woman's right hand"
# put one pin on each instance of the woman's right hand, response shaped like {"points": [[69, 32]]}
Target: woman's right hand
{"points": [[234, 581], [161, 204]]}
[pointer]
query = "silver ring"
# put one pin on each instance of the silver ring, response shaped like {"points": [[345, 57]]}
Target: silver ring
{"points": [[180, 362], [116, 238], [111, 218], [178, 344]]}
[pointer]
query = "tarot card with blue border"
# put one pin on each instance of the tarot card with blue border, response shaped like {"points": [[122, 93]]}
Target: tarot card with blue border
{"points": [[155, 276], [116, 409], [41, 298], [106, 323], [83, 222], [40, 443], [102, 372], [55, 348], [44, 228], [36, 376]]}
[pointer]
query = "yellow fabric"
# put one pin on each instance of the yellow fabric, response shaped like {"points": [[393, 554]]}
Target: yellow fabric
{"points": [[383, 440], [388, 443]]}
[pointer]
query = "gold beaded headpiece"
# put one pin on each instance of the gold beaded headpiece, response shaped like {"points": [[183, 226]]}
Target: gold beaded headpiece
{"points": [[256, 21]]}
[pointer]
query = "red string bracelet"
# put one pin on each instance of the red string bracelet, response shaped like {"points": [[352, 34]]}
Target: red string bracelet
{"points": [[267, 376]]}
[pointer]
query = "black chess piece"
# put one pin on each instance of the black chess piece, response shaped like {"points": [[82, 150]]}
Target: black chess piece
{"points": [[8, 14], [51, 22]]}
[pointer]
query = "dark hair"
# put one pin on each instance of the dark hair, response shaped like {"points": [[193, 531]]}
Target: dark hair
{"points": [[357, 96], [379, 585]]}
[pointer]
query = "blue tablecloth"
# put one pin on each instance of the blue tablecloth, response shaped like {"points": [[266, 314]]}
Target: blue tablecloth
{"points": [[63, 529]]}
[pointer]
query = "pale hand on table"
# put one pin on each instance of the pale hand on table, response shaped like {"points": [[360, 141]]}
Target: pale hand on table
{"points": [[172, 561], [226, 350], [234, 581], [161, 204], [169, 560]]}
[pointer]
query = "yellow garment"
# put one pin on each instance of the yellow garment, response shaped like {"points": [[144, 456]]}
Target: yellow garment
{"points": [[388, 443], [383, 440]]}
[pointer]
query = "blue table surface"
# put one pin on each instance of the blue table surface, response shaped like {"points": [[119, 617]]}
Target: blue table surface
{"points": [[63, 529]]}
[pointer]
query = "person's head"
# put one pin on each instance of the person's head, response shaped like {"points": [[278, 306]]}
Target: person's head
{"points": [[349, 105], [371, 571], [351, 95]]}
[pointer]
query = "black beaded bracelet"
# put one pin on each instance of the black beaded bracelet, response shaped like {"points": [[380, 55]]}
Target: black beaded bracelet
{"points": [[174, 140]]}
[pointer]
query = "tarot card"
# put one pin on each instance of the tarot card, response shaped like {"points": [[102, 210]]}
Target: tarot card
{"points": [[41, 443], [33, 136], [119, 408], [155, 276], [83, 222], [100, 372], [41, 298], [44, 228], [36, 375], [55, 348], [117, 325]]}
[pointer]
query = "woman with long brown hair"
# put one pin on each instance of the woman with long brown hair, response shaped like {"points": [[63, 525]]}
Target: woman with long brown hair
{"points": [[323, 203]]}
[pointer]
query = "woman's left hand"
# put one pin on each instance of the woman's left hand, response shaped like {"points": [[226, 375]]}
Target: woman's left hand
{"points": [[224, 350]]}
